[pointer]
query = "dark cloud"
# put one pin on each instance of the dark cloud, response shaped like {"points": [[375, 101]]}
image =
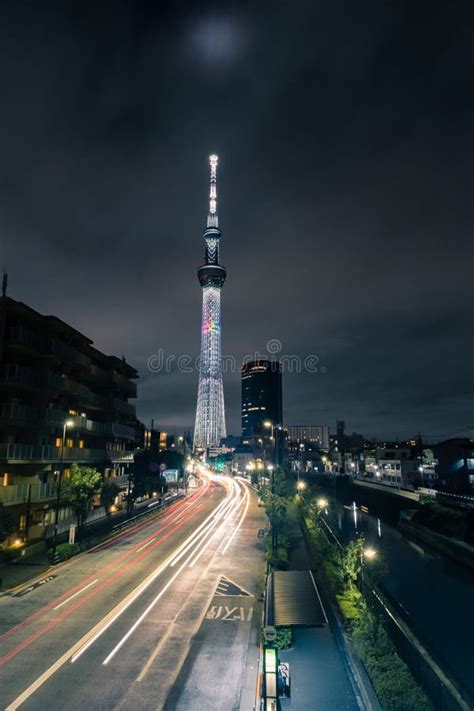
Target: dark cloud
{"points": [[345, 181]]}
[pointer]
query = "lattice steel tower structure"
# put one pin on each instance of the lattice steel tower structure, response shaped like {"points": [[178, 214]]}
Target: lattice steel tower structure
{"points": [[210, 414]]}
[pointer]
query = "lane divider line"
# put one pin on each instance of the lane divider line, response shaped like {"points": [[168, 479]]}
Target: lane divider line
{"points": [[71, 597]]}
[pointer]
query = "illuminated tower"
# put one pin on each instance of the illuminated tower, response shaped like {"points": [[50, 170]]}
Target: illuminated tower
{"points": [[210, 414]]}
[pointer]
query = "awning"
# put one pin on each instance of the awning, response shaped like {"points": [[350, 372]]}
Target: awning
{"points": [[293, 600]]}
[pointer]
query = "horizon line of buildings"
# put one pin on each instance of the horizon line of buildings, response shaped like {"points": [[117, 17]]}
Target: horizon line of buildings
{"points": [[62, 401]]}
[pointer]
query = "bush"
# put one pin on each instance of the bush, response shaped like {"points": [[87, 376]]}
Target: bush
{"points": [[66, 550], [449, 522], [284, 638], [393, 683]]}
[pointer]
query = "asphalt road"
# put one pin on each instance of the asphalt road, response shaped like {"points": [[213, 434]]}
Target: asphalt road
{"points": [[117, 627]]}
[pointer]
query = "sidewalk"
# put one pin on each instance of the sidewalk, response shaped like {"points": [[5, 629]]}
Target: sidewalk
{"points": [[320, 667], [12, 575]]}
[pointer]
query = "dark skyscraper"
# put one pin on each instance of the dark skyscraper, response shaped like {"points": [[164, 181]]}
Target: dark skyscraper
{"points": [[261, 396]]}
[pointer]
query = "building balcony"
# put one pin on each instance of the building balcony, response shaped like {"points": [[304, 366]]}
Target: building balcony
{"points": [[128, 387], [123, 407], [21, 493], [26, 453], [25, 414], [119, 480]]}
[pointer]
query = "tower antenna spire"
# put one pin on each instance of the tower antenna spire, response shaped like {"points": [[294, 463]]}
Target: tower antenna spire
{"points": [[212, 219]]}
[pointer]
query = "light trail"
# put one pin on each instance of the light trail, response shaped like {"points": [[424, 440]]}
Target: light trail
{"points": [[194, 545], [224, 516], [237, 528], [120, 609], [9, 655], [114, 563]]}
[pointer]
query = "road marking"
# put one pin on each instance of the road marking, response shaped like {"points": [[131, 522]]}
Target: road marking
{"points": [[145, 545], [71, 597], [227, 614], [227, 587], [38, 584], [144, 614]]}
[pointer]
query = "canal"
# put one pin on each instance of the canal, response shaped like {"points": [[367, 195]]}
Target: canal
{"points": [[434, 592]]}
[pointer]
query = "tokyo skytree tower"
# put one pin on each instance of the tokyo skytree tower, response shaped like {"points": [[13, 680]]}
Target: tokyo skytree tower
{"points": [[210, 414]]}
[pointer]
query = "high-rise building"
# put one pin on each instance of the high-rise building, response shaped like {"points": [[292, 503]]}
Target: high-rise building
{"points": [[210, 413], [61, 402], [309, 434], [261, 397]]}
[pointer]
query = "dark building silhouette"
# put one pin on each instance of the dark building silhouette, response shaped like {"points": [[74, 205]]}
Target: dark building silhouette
{"points": [[261, 397], [455, 469], [52, 378]]}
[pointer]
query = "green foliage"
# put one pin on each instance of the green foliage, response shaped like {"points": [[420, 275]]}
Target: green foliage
{"points": [[66, 550], [107, 495], [278, 559], [351, 560], [79, 490], [394, 685], [351, 603], [391, 678], [454, 523], [284, 638]]}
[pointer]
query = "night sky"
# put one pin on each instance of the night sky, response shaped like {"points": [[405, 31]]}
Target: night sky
{"points": [[344, 132]]}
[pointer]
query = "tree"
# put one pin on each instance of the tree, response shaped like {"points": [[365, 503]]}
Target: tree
{"points": [[79, 489], [107, 495]]}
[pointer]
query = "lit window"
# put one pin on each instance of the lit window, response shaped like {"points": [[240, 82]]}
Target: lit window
{"points": [[58, 442]]}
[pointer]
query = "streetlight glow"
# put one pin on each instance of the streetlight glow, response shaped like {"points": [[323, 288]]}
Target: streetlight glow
{"points": [[322, 503], [370, 553]]}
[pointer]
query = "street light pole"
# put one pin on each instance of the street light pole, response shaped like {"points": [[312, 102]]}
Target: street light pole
{"points": [[67, 424]]}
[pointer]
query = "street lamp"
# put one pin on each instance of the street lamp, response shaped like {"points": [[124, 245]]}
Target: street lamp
{"points": [[369, 553], [301, 485], [269, 425], [67, 424]]}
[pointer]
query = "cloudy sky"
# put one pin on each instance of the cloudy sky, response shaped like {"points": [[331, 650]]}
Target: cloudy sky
{"points": [[344, 131]]}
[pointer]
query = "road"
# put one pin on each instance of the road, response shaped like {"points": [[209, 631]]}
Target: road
{"points": [[123, 626]]}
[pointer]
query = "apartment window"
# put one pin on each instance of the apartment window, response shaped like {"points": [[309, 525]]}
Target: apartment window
{"points": [[81, 444], [58, 442], [22, 522], [6, 478], [69, 442]]}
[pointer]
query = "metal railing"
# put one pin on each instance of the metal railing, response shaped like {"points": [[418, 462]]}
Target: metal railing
{"points": [[49, 453], [20, 493], [25, 413]]}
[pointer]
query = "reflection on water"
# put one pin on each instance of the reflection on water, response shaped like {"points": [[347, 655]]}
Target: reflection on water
{"points": [[435, 592]]}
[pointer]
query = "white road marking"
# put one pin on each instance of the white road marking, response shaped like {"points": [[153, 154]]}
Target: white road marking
{"points": [[71, 597], [145, 545]]}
